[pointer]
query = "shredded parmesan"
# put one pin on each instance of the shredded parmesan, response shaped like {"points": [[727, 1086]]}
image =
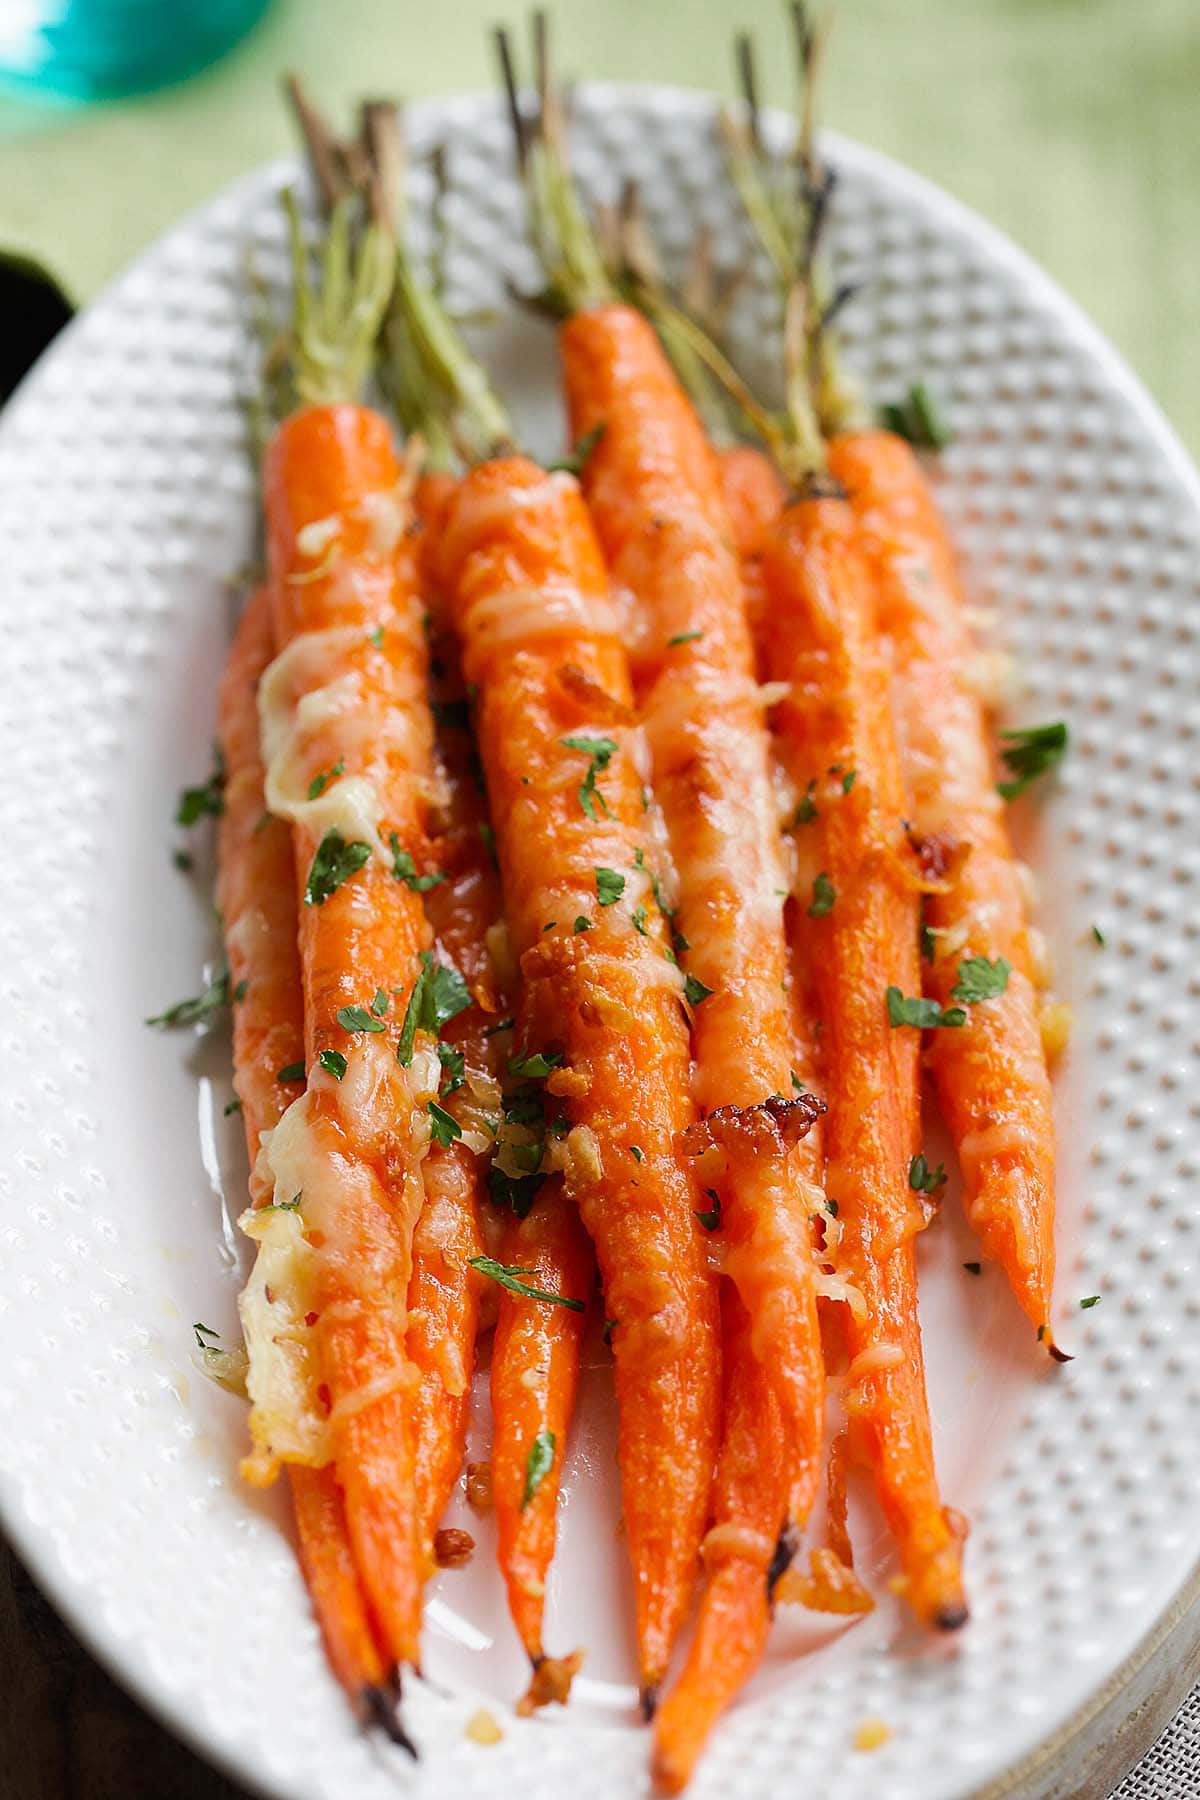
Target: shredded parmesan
{"points": [[287, 1418], [1055, 1022]]}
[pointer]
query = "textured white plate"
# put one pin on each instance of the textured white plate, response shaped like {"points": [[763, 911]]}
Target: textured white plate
{"points": [[125, 503]]}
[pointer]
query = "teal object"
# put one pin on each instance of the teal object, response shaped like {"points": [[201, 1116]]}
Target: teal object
{"points": [[99, 49]]}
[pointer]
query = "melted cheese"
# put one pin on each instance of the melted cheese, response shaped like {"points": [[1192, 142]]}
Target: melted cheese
{"points": [[287, 1419], [519, 616]]}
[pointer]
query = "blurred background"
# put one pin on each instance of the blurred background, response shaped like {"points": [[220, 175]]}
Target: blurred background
{"points": [[1072, 124]]}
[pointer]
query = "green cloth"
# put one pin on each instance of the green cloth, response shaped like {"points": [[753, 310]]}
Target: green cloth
{"points": [[1072, 124]]}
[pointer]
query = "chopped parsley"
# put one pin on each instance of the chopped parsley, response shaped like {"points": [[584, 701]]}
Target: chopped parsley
{"points": [[184, 861], [924, 1180], [202, 1332], [849, 779], [1092, 1300], [234, 1106], [510, 1278], [1099, 936], [538, 1465], [379, 1004], [207, 801], [576, 460], [445, 1126], [639, 920], [582, 924], [609, 886], [335, 862], [292, 1205], [923, 1014], [797, 1085], [823, 897], [454, 1062], [712, 1218], [917, 418], [979, 979], [319, 783], [535, 1065], [405, 869], [973, 1268], [684, 637], [200, 1006], [357, 1018], [439, 994], [806, 811], [334, 1062], [500, 1025], [928, 943], [600, 751], [515, 1191], [239, 992], [1028, 754], [292, 1072], [694, 990], [376, 637], [637, 1153]]}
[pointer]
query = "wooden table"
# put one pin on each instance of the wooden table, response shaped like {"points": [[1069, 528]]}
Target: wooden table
{"points": [[69, 1732]]}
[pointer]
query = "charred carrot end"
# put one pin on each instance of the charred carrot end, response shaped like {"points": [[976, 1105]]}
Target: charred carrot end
{"points": [[535, 1378]]}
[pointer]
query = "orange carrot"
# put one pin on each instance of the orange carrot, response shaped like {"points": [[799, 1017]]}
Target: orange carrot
{"points": [[753, 491], [463, 904], [991, 1073], [535, 1375], [542, 642], [750, 1496], [652, 490], [256, 900], [858, 883]]}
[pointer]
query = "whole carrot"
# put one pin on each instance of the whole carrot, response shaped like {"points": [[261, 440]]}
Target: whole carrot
{"points": [[256, 900], [347, 743], [565, 779], [548, 1245], [991, 1074], [858, 885]]}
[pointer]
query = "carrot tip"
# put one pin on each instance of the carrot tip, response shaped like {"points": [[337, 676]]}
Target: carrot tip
{"points": [[786, 1546], [550, 1682], [1060, 1356], [648, 1701], [951, 1618], [381, 1708]]}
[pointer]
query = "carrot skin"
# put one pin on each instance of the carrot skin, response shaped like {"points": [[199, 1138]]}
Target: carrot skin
{"points": [[991, 1075], [530, 600], [819, 637], [753, 491], [255, 880], [348, 741], [533, 1339], [750, 1500], [654, 493]]}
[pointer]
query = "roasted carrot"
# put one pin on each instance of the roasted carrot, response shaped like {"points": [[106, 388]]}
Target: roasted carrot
{"points": [[753, 491], [531, 1416], [542, 642], [857, 882], [256, 901], [741, 1554], [652, 491], [991, 1073], [347, 744]]}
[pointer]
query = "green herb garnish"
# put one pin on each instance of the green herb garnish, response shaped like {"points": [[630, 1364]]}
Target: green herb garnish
{"points": [[510, 1278], [200, 1006], [293, 1072], [823, 897], [917, 419], [576, 460], [923, 1014], [207, 801], [1029, 754], [319, 783], [334, 1062], [405, 869], [609, 886], [712, 1218], [534, 1065], [979, 979], [335, 862], [694, 991], [445, 1126], [357, 1018], [538, 1465], [924, 1180]]}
